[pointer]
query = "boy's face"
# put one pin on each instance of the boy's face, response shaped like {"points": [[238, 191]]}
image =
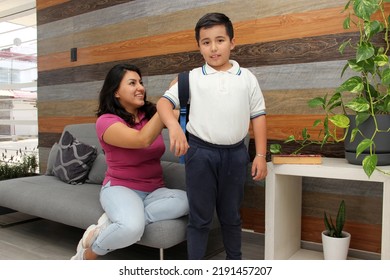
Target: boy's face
{"points": [[215, 46]]}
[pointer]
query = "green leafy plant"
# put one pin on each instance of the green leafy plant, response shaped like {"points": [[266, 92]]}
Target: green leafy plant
{"points": [[364, 95], [23, 163], [335, 230]]}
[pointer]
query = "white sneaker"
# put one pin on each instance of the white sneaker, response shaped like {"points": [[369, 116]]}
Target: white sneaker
{"points": [[90, 235], [93, 231], [79, 254]]}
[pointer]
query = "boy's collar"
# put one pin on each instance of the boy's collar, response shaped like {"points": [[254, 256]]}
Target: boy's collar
{"points": [[235, 69]]}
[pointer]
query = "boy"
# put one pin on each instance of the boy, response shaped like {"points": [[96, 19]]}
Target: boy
{"points": [[224, 99]]}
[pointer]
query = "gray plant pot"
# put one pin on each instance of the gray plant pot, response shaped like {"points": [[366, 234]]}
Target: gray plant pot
{"points": [[382, 140]]}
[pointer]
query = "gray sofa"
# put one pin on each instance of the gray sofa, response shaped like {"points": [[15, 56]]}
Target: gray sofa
{"points": [[78, 205]]}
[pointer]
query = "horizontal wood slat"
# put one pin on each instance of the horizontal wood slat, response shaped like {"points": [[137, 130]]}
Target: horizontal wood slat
{"points": [[279, 127], [43, 4], [66, 9], [364, 237], [57, 124], [253, 219], [46, 141], [84, 108]]}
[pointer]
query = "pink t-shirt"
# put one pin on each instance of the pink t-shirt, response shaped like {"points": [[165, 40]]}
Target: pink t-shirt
{"points": [[138, 169]]}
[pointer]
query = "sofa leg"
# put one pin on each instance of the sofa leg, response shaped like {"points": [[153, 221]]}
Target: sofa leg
{"points": [[161, 254]]}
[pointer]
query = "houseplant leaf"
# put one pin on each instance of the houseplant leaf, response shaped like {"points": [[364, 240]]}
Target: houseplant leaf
{"points": [[340, 219], [353, 84], [363, 145], [358, 105], [364, 52], [386, 76], [365, 8], [340, 120], [369, 164], [335, 230]]}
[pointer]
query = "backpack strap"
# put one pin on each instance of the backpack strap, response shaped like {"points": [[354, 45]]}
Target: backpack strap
{"points": [[184, 94]]}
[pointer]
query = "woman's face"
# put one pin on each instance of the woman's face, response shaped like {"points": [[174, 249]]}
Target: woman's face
{"points": [[131, 92]]}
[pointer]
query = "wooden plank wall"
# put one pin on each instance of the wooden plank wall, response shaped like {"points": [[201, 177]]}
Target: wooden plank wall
{"points": [[291, 46]]}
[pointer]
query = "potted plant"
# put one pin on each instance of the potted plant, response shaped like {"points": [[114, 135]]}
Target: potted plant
{"points": [[335, 241], [358, 112]]}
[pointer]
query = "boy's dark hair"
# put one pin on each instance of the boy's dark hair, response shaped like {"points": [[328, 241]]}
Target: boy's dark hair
{"points": [[108, 103], [211, 19]]}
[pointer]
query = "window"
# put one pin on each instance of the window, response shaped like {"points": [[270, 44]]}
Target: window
{"points": [[18, 70]]}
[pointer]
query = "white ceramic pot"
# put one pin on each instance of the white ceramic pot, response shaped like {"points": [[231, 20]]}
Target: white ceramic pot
{"points": [[335, 248]]}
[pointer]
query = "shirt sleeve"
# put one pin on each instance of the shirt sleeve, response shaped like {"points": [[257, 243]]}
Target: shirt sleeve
{"points": [[257, 103], [104, 122], [172, 94]]}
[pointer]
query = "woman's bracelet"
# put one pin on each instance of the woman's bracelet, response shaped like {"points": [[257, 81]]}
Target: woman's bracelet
{"points": [[261, 155]]}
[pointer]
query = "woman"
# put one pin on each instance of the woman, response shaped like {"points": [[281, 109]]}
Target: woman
{"points": [[133, 193]]}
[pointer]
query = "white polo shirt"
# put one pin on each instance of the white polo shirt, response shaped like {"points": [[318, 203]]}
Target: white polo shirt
{"points": [[222, 103]]}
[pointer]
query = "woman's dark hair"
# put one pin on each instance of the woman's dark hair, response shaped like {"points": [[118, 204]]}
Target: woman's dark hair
{"points": [[211, 19], [109, 104]]}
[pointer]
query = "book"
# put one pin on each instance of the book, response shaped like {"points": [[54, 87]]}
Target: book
{"points": [[296, 159]]}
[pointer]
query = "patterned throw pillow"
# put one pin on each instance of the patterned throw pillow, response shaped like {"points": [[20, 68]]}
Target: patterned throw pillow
{"points": [[74, 160]]}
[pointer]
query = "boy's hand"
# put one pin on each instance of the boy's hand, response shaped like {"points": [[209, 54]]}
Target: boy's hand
{"points": [[259, 168], [178, 141]]}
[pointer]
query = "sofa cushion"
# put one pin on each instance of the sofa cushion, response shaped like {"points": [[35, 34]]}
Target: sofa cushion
{"points": [[52, 158], [174, 175], [98, 170], [74, 159]]}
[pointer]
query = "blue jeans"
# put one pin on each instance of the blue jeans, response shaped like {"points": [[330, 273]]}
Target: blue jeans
{"points": [[130, 211]]}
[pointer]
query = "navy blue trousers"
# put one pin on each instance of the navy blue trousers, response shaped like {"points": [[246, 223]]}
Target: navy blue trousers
{"points": [[215, 178]]}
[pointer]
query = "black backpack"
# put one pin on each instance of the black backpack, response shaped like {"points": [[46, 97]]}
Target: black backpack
{"points": [[184, 94]]}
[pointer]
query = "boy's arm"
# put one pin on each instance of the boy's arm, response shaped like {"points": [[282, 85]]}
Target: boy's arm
{"points": [[259, 165], [178, 140]]}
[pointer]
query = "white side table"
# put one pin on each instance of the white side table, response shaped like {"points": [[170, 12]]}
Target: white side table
{"points": [[283, 207]]}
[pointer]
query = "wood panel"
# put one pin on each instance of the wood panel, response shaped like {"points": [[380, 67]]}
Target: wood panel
{"points": [[85, 95], [57, 124], [71, 8], [315, 203], [253, 219], [322, 22], [125, 13], [279, 127], [286, 53], [364, 237], [81, 108], [42, 4], [161, 17], [46, 141]]}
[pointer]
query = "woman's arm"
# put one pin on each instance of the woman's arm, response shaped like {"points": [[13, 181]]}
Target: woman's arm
{"points": [[120, 135]]}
